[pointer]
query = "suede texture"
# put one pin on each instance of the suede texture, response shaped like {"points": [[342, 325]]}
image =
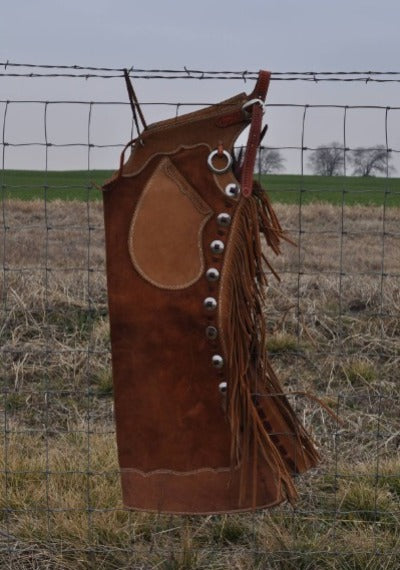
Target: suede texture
{"points": [[166, 389], [173, 434]]}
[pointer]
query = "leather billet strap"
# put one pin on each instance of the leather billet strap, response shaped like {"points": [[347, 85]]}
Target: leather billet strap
{"points": [[134, 103], [261, 87], [253, 141], [137, 114]]}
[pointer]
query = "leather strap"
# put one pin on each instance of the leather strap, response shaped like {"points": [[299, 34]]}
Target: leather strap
{"points": [[251, 151], [133, 100], [247, 172], [261, 87]]}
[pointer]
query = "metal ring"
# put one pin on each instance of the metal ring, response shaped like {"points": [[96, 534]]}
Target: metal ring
{"points": [[214, 153], [250, 103]]}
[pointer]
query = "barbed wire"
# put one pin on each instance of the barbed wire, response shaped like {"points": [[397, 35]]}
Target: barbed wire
{"points": [[179, 104], [89, 72]]}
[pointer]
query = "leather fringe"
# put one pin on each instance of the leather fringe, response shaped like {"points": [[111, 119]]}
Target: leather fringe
{"points": [[247, 358]]}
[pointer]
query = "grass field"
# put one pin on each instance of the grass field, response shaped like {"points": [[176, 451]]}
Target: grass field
{"points": [[334, 331], [288, 189], [291, 189]]}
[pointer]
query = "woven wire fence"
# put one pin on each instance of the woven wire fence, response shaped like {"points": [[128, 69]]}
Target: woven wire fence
{"points": [[333, 323]]}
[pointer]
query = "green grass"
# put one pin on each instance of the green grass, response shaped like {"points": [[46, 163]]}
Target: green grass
{"points": [[290, 189], [54, 184], [285, 188]]}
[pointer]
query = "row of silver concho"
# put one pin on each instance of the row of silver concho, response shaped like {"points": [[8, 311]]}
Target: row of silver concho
{"points": [[212, 274]]}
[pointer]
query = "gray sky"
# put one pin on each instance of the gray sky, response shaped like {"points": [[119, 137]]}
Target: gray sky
{"points": [[280, 35]]}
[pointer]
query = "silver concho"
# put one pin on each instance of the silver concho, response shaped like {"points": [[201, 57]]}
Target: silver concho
{"points": [[224, 219], [217, 361], [210, 303], [232, 190], [222, 387], [211, 332], [212, 274], [217, 246]]}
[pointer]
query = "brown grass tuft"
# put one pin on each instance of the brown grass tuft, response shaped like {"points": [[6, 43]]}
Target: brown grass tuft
{"points": [[334, 331]]}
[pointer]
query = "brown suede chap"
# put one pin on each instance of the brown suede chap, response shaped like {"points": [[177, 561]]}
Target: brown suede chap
{"points": [[202, 425]]}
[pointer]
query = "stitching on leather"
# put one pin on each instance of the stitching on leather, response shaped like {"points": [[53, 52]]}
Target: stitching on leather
{"points": [[171, 170], [182, 147], [179, 473], [165, 153], [207, 113], [216, 512], [199, 204]]}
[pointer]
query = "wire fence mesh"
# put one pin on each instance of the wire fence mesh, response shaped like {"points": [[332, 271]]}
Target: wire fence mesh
{"points": [[333, 330]]}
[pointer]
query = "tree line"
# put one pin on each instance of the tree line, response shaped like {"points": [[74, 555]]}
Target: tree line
{"points": [[329, 160]]}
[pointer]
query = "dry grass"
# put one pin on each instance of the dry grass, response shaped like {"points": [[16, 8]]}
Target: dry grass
{"points": [[334, 330]]}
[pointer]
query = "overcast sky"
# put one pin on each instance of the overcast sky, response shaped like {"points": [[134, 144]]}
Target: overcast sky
{"points": [[280, 35]]}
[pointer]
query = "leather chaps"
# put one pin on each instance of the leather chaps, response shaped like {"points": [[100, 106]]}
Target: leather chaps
{"points": [[202, 423]]}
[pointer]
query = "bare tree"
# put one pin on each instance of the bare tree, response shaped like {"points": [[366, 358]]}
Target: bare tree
{"points": [[368, 161], [327, 160], [270, 160]]}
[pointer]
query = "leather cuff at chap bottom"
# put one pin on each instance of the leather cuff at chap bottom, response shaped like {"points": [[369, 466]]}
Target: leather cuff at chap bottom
{"points": [[202, 424]]}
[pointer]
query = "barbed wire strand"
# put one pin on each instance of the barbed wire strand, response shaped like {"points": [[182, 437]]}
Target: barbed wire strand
{"points": [[196, 74]]}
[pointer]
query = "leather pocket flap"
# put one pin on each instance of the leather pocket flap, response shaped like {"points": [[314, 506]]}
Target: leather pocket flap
{"points": [[165, 238]]}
